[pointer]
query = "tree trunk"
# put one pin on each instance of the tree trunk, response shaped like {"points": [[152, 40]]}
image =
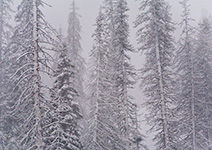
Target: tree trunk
{"points": [[97, 101], [192, 111], [36, 77], [126, 105], [162, 98]]}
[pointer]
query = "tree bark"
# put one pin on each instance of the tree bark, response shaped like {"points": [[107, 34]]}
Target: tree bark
{"points": [[36, 77], [162, 98]]}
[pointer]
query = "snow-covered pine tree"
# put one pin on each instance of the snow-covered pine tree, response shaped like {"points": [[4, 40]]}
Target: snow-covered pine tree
{"points": [[155, 27], [203, 86], [101, 132], [93, 137], [61, 127], [74, 52], [123, 72], [28, 57], [184, 62], [104, 71]]}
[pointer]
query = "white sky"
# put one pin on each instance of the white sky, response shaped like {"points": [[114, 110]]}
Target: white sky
{"points": [[57, 16]]}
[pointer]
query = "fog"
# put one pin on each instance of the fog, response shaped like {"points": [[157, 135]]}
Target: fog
{"points": [[88, 9], [57, 13]]}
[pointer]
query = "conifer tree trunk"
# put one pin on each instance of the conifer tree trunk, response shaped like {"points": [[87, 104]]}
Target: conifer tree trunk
{"points": [[163, 110], [36, 77], [126, 105], [192, 114], [97, 103], [193, 107], [155, 37]]}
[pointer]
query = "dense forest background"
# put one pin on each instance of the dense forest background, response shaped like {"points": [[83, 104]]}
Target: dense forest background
{"points": [[92, 57]]}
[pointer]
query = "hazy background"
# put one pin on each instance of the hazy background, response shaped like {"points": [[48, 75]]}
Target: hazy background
{"points": [[57, 16]]}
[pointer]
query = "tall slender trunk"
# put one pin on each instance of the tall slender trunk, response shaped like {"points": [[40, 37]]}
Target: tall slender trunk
{"points": [[97, 102], [193, 108], [125, 103], [162, 98], [126, 120], [36, 77]]}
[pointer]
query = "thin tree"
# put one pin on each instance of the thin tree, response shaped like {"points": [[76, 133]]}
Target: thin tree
{"points": [[154, 35], [101, 133], [123, 71], [185, 110], [202, 86], [74, 51]]}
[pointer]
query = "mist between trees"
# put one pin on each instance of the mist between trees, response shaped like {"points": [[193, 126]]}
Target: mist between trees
{"points": [[51, 99]]}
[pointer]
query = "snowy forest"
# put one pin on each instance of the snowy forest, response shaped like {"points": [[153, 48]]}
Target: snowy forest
{"points": [[52, 98]]}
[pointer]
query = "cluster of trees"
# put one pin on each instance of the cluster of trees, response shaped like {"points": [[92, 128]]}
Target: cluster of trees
{"points": [[31, 117], [176, 80], [36, 114], [112, 121]]}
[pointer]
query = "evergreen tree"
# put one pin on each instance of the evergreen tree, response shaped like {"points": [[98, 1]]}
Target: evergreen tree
{"points": [[101, 132], [61, 127], [28, 57], [193, 104], [123, 73], [203, 86], [74, 51], [185, 110], [154, 34], [110, 75]]}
